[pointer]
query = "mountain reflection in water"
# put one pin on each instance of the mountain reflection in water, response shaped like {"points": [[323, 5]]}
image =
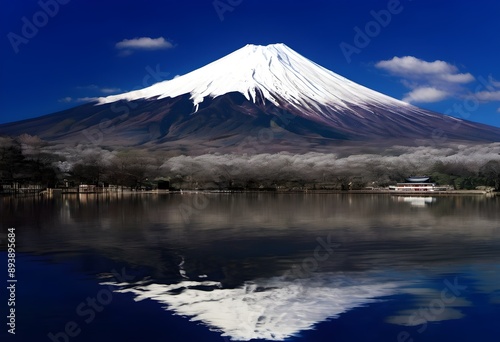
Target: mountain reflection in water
{"points": [[269, 265]]}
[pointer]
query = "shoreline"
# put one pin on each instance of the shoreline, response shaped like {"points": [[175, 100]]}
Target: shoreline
{"points": [[344, 192]]}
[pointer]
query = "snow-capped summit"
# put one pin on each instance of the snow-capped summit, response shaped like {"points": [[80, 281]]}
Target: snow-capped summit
{"points": [[277, 72], [256, 99]]}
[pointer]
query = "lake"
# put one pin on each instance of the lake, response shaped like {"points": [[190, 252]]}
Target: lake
{"points": [[254, 266]]}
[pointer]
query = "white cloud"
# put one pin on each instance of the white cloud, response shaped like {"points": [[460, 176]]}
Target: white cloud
{"points": [[144, 43], [109, 90], [492, 94], [488, 95], [69, 99], [413, 67], [494, 82], [425, 95], [87, 99], [428, 81], [422, 298], [66, 99], [498, 110], [457, 78]]}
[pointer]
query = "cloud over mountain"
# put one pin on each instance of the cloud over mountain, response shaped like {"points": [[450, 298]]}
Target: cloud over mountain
{"points": [[425, 94], [144, 43], [428, 81]]}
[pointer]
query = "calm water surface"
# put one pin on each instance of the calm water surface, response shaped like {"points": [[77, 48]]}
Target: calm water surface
{"points": [[264, 267]]}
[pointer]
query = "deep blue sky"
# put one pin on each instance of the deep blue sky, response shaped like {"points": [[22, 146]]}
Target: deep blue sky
{"points": [[74, 55]]}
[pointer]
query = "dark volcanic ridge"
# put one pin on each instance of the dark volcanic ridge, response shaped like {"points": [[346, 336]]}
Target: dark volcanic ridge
{"points": [[257, 99]]}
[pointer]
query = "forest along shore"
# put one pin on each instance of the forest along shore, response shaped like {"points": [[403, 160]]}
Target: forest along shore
{"points": [[49, 193]]}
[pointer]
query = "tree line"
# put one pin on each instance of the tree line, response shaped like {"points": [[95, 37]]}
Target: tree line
{"points": [[30, 160], [28, 166]]}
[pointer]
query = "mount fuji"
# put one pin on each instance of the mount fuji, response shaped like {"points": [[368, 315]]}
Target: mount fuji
{"points": [[262, 98]]}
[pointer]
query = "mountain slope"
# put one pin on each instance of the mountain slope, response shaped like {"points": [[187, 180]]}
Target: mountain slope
{"points": [[274, 72], [256, 91]]}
